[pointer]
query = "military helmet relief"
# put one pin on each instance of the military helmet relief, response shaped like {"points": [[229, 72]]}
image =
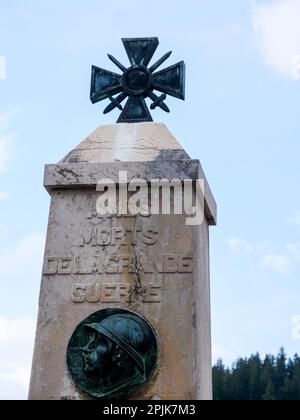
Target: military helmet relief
{"points": [[112, 354], [138, 82]]}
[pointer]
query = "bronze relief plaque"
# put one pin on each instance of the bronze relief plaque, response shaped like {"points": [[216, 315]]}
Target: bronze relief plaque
{"points": [[112, 354]]}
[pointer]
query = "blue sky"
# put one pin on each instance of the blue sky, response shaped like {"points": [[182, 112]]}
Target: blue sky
{"points": [[240, 118]]}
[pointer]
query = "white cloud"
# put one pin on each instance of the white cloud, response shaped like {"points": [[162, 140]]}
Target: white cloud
{"points": [[5, 152], [240, 246], [277, 28], [2, 67], [5, 140], [221, 352], [282, 262], [25, 257], [296, 327], [295, 219], [16, 348], [18, 263], [6, 117], [3, 195], [17, 333]]}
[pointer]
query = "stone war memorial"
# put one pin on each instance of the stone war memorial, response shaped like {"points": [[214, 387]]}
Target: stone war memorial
{"points": [[124, 308]]}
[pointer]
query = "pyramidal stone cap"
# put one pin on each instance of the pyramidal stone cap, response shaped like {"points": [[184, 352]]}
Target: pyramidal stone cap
{"points": [[128, 143], [145, 151]]}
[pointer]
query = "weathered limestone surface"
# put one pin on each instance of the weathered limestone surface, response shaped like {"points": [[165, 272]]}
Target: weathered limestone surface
{"points": [[82, 250], [127, 143]]}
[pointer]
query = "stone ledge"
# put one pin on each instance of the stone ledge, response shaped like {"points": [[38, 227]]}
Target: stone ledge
{"points": [[87, 175]]}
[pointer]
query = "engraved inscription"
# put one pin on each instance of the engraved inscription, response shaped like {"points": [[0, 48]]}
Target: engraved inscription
{"points": [[118, 264], [112, 293], [106, 236]]}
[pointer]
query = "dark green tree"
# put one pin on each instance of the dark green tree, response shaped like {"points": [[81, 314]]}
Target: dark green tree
{"points": [[219, 380], [255, 369], [280, 374], [295, 380], [274, 378], [268, 372], [269, 395]]}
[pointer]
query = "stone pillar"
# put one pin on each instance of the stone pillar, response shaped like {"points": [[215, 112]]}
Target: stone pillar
{"points": [[156, 266]]}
